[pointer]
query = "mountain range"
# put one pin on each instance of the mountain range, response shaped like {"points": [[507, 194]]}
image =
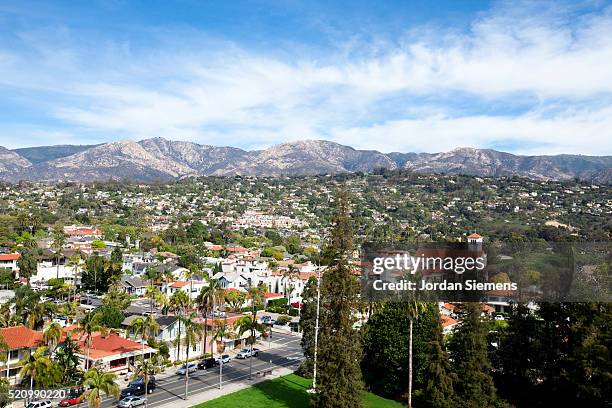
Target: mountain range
{"points": [[162, 159]]}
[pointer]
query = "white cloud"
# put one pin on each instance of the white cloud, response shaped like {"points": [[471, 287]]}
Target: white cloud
{"points": [[432, 90]]}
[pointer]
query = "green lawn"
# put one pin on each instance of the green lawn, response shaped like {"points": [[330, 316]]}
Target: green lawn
{"points": [[284, 392]]}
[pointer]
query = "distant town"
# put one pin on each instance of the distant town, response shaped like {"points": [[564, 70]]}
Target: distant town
{"points": [[202, 273]]}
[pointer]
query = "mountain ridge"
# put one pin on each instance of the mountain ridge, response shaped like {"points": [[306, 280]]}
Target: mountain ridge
{"points": [[163, 159]]}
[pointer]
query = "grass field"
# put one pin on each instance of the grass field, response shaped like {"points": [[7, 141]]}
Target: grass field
{"points": [[284, 392]]}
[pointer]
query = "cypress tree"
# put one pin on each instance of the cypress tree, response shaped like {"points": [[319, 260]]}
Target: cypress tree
{"points": [[439, 392], [339, 376], [307, 323], [468, 346]]}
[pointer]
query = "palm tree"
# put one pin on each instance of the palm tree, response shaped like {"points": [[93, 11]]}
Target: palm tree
{"points": [[146, 328], [4, 355], [189, 274], [38, 311], [68, 360], [145, 369], [52, 336], [179, 302], [193, 332], [87, 326], [415, 308], [221, 332], [249, 324], [152, 275], [73, 262], [206, 300], [97, 383], [59, 240], [38, 366]]}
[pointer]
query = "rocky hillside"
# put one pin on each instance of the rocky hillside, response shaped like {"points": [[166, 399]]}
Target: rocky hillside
{"points": [[161, 159]]}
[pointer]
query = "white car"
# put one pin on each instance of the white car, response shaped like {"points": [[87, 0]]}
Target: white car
{"points": [[39, 404], [225, 358], [187, 368], [246, 353], [133, 401]]}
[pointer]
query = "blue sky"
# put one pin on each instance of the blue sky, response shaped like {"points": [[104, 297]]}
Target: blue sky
{"points": [[524, 77]]}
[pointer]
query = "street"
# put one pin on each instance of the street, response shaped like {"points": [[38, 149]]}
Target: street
{"points": [[287, 353]]}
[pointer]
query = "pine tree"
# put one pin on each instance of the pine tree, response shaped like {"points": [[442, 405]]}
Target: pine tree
{"points": [[439, 392], [385, 345], [307, 323], [468, 346], [339, 376], [518, 353]]}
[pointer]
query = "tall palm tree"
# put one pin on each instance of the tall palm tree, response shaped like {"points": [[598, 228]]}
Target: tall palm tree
{"points": [[68, 360], [193, 332], [189, 274], [87, 327], [206, 300], [145, 369], [222, 331], [153, 276], [59, 240], [73, 262], [52, 336], [251, 325], [4, 355], [145, 327], [97, 383], [415, 308], [179, 303]]}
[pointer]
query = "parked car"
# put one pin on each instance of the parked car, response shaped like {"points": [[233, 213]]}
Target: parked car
{"points": [[71, 400], [246, 353], [129, 402], [140, 381], [39, 404], [75, 396], [266, 319], [138, 389], [226, 359], [187, 368], [206, 363]]}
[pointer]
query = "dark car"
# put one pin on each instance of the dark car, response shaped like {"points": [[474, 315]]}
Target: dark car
{"points": [[206, 363], [140, 381], [138, 389]]}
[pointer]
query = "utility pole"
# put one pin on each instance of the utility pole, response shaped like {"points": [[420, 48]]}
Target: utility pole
{"points": [[252, 330], [316, 339]]}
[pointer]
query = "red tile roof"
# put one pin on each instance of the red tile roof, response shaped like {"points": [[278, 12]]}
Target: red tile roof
{"points": [[269, 295], [9, 257], [447, 321], [21, 337], [179, 284], [103, 346], [474, 235]]}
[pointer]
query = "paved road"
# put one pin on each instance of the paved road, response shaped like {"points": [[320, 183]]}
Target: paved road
{"points": [[287, 353]]}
